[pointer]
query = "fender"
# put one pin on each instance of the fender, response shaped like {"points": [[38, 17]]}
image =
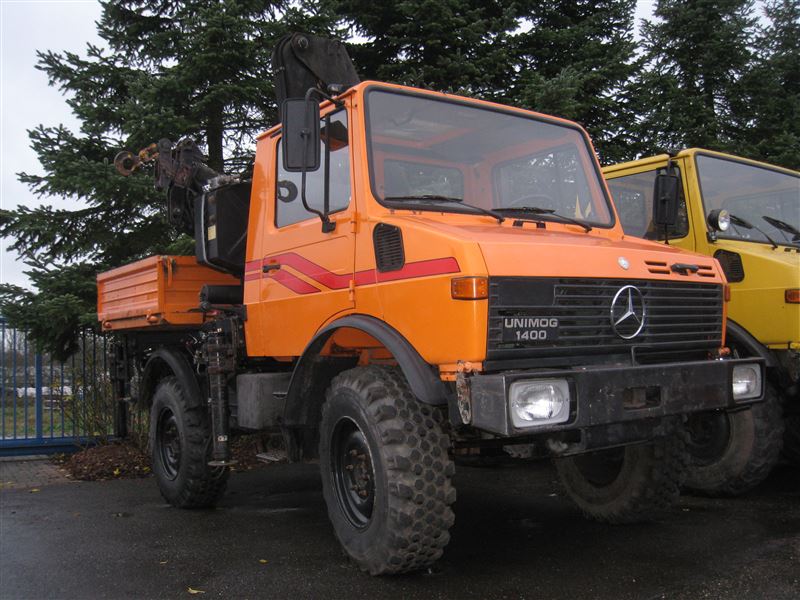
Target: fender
{"points": [[421, 378], [741, 337], [163, 363]]}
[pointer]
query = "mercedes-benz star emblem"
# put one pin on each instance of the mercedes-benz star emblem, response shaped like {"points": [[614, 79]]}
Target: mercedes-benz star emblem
{"points": [[628, 312]]}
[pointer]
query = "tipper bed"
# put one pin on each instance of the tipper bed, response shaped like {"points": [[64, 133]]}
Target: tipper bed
{"points": [[159, 291]]}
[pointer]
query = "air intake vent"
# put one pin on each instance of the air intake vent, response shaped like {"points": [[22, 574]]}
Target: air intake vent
{"points": [[655, 266], [389, 254], [705, 271], [731, 265]]}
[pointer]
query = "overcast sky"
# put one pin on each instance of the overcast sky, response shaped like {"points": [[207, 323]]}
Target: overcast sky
{"points": [[26, 100]]}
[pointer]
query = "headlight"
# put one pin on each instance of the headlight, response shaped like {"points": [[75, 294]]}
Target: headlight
{"points": [[539, 402], [746, 382], [719, 220]]}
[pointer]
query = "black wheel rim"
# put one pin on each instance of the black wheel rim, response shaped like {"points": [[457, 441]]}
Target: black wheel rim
{"points": [[601, 468], [353, 473], [169, 443], [709, 435]]}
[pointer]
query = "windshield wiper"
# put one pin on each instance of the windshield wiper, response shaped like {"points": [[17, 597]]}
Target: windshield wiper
{"points": [[451, 199], [549, 212], [783, 226], [747, 225]]}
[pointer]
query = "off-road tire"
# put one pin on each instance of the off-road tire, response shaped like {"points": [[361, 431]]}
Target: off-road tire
{"points": [[791, 438], [188, 481], [749, 451], [642, 483], [409, 511]]}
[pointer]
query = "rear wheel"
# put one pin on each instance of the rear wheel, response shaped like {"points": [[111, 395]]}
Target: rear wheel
{"points": [[386, 474], [791, 438], [180, 436], [731, 453], [629, 484]]}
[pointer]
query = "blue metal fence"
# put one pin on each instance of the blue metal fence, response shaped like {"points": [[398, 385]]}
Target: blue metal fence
{"points": [[52, 406]]}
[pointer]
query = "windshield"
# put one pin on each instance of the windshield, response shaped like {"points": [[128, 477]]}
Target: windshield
{"points": [[447, 154], [766, 199]]}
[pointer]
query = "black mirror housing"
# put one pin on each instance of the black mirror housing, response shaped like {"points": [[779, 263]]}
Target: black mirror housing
{"points": [[300, 123], [665, 200]]}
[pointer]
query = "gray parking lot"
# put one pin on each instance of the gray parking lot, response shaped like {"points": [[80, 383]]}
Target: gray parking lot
{"points": [[515, 537]]}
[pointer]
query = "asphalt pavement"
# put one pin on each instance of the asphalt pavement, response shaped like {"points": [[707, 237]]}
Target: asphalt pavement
{"points": [[515, 536]]}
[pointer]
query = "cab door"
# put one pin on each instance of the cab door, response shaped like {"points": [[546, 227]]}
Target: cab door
{"points": [[307, 273]]}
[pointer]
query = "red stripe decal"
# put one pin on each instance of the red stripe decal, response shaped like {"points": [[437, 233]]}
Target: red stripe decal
{"points": [[422, 268], [313, 270], [293, 282], [251, 265]]}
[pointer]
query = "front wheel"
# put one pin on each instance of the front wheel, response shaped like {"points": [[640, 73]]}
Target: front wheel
{"points": [[731, 453], [629, 484], [180, 436], [386, 474]]}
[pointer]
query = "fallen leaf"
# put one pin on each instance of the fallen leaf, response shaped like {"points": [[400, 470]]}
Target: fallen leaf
{"points": [[193, 591], [34, 490], [163, 562], [263, 561], [117, 472]]}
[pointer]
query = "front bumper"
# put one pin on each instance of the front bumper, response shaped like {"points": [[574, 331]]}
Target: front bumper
{"points": [[602, 396]]}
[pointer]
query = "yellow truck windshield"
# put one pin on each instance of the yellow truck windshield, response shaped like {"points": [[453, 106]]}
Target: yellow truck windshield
{"points": [[426, 147], [767, 199]]}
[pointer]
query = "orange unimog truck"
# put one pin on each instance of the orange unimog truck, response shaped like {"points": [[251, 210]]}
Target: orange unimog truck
{"points": [[410, 276]]}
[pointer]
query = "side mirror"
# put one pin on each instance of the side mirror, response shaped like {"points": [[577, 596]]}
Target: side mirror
{"points": [[665, 200], [300, 121]]}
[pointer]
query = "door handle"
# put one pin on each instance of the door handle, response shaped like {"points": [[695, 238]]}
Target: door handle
{"points": [[270, 267]]}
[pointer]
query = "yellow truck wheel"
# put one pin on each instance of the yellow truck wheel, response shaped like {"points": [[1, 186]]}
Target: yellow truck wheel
{"points": [[631, 484], [731, 453], [791, 438]]}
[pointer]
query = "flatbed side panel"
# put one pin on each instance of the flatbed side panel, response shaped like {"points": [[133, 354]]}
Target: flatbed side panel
{"points": [[156, 291]]}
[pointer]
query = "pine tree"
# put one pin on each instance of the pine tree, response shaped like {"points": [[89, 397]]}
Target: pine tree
{"points": [[697, 52], [448, 45], [575, 62], [198, 68], [769, 110]]}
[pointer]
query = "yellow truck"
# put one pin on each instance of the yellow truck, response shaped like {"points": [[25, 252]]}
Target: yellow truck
{"points": [[746, 214]]}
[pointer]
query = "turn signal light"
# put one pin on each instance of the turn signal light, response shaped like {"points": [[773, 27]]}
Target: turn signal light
{"points": [[792, 296], [469, 288]]}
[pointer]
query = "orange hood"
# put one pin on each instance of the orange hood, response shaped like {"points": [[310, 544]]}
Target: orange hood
{"points": [[557, 251]]}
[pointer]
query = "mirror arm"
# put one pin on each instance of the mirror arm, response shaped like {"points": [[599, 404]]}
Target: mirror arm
{"points": [[327, 225], [326, 197], [670, 171]]}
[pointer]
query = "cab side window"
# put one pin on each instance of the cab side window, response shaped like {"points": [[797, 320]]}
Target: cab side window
{"points": [[633, 196], [334, 171]]}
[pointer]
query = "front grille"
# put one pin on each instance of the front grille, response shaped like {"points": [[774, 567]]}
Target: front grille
{"points": [[685, 316]]}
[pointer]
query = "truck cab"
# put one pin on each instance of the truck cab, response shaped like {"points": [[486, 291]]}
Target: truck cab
{"points": [[757, 243]]}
